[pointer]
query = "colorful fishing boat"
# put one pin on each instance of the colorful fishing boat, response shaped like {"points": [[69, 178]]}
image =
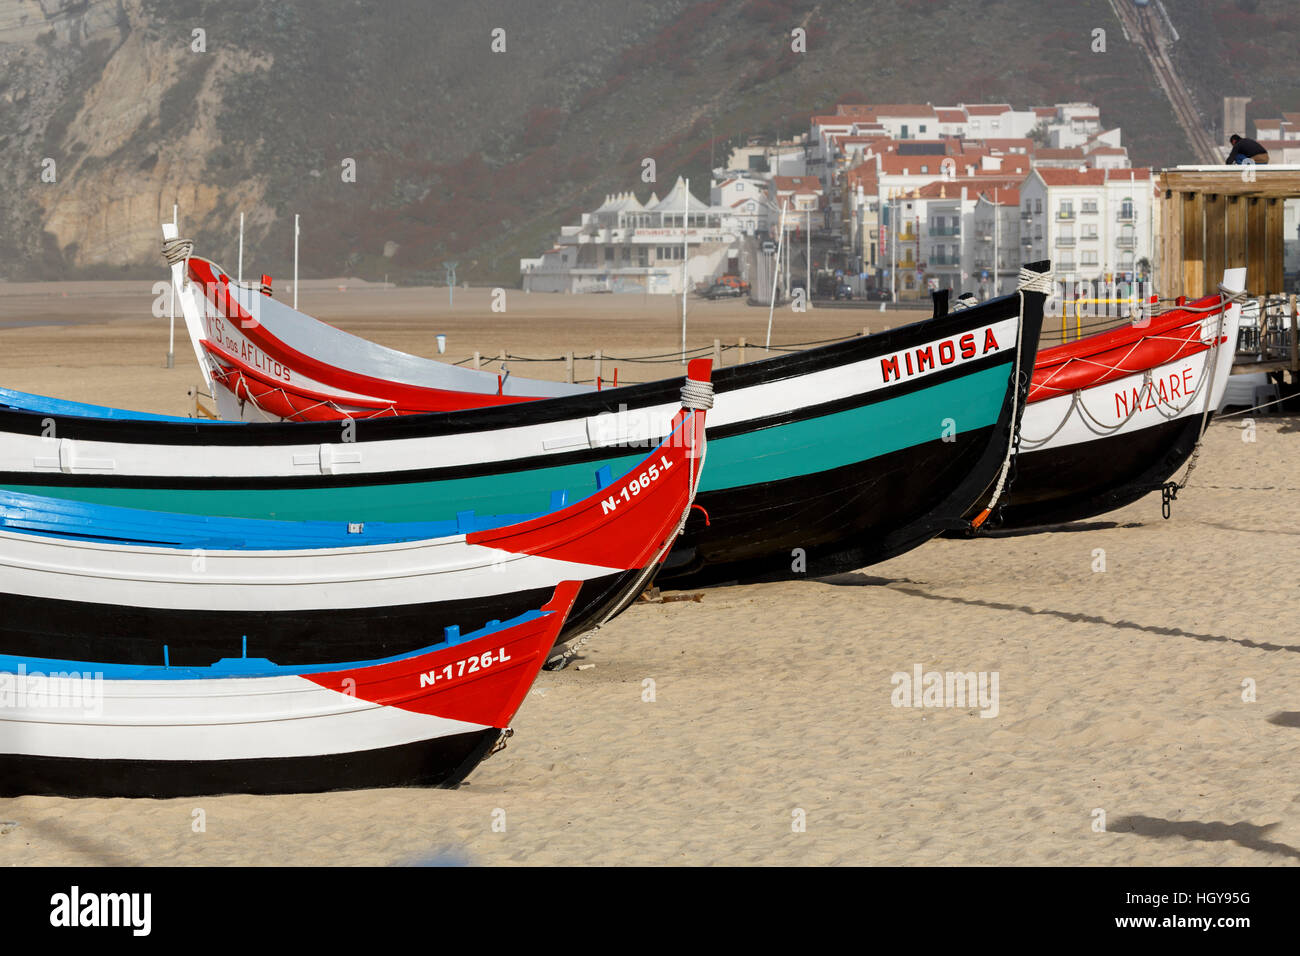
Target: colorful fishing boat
{"points": [[89, 581], [1112, 417], [821, 460], [243, 724]]}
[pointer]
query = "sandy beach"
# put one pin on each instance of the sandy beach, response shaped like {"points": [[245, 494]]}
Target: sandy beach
{"points": [[758, 725]]}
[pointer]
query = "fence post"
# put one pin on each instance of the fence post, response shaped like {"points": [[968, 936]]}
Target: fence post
{"points": [[717, 353], [477, 360], [1263, 328], [568, 366], [1295, 342], [741, 346], [598, 364]]}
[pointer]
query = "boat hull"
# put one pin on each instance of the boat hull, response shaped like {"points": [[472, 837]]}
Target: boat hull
{"points": [[788, 438], [1113, 418], [441, 762], [247, 725]]}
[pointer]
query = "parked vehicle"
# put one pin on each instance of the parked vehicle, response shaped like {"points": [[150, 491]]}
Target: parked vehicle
{"points": [[720, 290]]}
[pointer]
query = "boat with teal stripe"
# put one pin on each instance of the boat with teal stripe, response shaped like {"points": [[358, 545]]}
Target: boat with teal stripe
{"points": [[822, 460]]}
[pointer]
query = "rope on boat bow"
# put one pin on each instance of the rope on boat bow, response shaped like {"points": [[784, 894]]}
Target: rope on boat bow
{"points": [[1227, 297], [697, 395], [1028, 281]]}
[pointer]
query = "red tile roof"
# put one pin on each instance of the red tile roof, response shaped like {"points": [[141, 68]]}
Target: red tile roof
{"points": [[808, 184], [1090, 177], [1071, 152], [987, 109], [951, 115]]}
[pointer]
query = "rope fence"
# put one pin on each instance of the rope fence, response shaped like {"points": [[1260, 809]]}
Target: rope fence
{"points": [[718, 349]]}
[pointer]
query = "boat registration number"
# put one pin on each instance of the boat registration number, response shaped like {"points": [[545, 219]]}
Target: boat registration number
{"points": [[636, 485], [466, 665]]}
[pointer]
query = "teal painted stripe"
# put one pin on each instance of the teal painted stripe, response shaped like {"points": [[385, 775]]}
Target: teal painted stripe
{"points": [[858, 434], [769, 454]]}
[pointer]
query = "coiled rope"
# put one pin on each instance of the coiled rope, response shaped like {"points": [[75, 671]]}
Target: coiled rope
{"points": [[697, 395], [1027, 281], [177, 250]]}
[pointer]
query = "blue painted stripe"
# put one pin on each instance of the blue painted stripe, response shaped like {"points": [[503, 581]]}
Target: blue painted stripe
{"points": [[44, 405], [27, 513], [241, 666]]}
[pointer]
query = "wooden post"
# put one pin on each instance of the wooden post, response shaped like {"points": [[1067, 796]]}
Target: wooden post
{"points": [[1263, 328], [1193, 252], [599, 363], [477, 360], [1295, 341], [865, 331], [502, 356], [717, 353], [1236, 233], [741, 346], [568, 366], [1171, 229], [1257, 245], [1215, 249], [1274, 241]]}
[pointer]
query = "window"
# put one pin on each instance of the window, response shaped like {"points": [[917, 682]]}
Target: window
{"points": [[642, 257], [921, 128], [925, 168], [1066, 209], [609, 253], [1089, 231], [1089, 206], [1038, 205], [1088, 258]]}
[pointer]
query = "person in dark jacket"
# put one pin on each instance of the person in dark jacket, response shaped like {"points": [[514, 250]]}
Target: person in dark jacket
{"points": [[1244, 148]]}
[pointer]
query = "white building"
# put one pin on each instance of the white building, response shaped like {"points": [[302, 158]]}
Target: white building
{"points": [[1094, 224], [626, 246]]}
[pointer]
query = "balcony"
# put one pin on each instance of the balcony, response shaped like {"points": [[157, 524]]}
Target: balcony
{"points": [[1126, 216], [945, 260], [1065, 240], [1065, 214], [1063, 265], [1127, 242], [1026, 216], [1088, 211], [945, 231]]}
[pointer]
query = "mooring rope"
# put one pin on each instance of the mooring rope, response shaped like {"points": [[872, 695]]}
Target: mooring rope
{"points": [[1028, 281]]}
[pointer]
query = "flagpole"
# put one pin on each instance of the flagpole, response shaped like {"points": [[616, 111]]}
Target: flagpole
{"points": [[776, 271], [171, 335], [295, 262], [686, 253]]}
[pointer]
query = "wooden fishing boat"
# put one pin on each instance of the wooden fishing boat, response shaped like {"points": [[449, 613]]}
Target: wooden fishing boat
{"points": [[821, 460], [246, 725], [1112, 417], [87, 581]]}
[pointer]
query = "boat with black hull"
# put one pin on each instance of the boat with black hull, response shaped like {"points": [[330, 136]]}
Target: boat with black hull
{"points": [[87, 728], [834, 457], [1112, 418]]}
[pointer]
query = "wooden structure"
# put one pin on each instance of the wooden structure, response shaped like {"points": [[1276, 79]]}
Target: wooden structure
{"points": [[1217, 217]]}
